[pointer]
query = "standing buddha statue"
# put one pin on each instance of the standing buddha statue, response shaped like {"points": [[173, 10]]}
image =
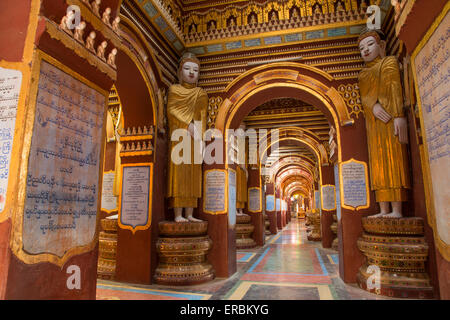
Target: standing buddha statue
{"points": [[186, 103], [386, 125]]}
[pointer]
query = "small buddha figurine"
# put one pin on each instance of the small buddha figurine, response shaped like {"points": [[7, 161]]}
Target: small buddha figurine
{"points": [[193, 29], [79, 30], [106, 16], [273, 17], [387, 130], [112, 58], [95, 5], [186, 104], [90, 41], [339, 7], [317, 10], [115, 24], [66, 21], [101, 50], [295, 15], [212, 25], [253, 19], [232, 22]]}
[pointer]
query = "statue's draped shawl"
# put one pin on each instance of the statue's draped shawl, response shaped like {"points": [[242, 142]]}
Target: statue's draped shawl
{"points": [[183, 102], [186, 103]]}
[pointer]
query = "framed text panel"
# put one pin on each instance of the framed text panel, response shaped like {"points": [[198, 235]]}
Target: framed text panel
{"points": [[431, 69]]}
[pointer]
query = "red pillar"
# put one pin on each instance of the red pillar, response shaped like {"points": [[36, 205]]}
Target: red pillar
{"points": [[46, 274], [254, 185]]}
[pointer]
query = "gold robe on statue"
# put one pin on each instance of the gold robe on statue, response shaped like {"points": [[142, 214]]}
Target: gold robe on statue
{"points": [[380, 82], [186, 103]]}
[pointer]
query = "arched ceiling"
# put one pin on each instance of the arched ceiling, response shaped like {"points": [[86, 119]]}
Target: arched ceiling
{"points": [[288, 112]]}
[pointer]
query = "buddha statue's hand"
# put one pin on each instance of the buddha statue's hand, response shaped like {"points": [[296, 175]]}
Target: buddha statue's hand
{"points": [[191, 129], [381, 114], [401, 129]]}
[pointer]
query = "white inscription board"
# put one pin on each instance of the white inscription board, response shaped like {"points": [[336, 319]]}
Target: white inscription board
{"points": [[254, 199], [215, 182], [328, 197], [10, 83], [270, 203], [231, 198], [63, 167], [354, 184], [135, 201], [109, 200]]}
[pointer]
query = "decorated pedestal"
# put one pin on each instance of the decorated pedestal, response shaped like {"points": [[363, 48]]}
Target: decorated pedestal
{"points": [[335, 244], [244, 230], [398, 248], [267, 225], [107, 249], [314, 230], [182, 249]]}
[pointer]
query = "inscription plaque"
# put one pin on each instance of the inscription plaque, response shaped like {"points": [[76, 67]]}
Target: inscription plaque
{"points": [[328, 197], [231, 197], [254, 199], [63, 166], [354, 185], [215, 182], [135, 196], [270, 203], [432, 71], [10, 83], [109, 200]]}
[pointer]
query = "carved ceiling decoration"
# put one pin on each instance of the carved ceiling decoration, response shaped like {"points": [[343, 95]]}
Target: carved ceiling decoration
{"points": [[289, 112], [193, 21], [289, 151]]}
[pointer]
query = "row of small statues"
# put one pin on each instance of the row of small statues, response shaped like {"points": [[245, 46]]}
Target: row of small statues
{"points": [[128, 147], [90, 39], [137, 132], [106, 16]]}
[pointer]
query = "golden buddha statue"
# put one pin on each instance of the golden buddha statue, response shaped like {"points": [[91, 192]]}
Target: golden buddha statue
{"points": [[253, 19], [386, 125], [186, 103]]}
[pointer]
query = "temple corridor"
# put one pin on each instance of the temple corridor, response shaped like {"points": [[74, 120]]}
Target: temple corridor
{"points": [[287, 267]]}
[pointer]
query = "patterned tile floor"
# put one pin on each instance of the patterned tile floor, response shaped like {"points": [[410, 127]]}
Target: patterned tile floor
{"points": [[287, 267]]}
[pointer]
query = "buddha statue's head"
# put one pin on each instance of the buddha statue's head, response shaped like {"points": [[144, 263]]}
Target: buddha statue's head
{"points": [[189, 68], [371, 44]]}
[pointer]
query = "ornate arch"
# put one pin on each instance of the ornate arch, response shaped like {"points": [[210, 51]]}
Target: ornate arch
{"points": [[287, 79], [137, 49]]}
